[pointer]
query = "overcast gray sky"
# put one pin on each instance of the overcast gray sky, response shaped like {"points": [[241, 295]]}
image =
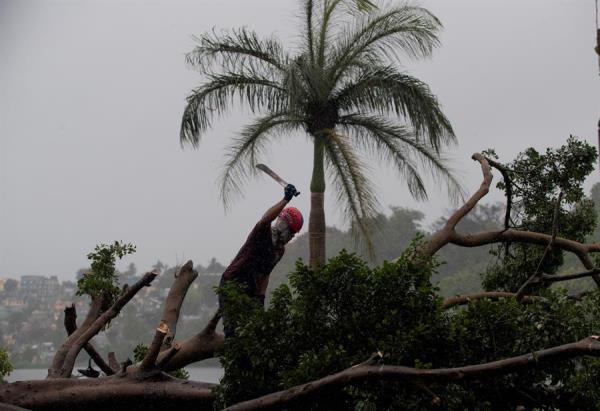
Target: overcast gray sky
{"points": [[92, 91]]}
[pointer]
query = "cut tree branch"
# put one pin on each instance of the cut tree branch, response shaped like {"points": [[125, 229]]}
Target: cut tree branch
{"points": [[508, 183], [177, 293], [509, 193], [113, 362], [529, 237], [149, 361], [587, 346], [167, 357], [59, 358], [101, 321], [196, 348], [71, 326], [463, 299], [443, 236], [491, 295], [448, 234], [556, 278]]}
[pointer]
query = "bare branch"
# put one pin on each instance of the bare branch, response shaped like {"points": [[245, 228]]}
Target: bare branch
{"points": [[196, 348], [101, 321], [71, 326], [443, 236], [167, 357], [509, 193], [530, 237], [448, 233], [175, 298], [557, 278], [587, 346], [508, 183], [125, 364], [149, 361], [491, 295], [113, 362], [59, 358]]}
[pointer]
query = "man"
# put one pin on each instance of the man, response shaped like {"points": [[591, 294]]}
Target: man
{"points": [[262, 250]]}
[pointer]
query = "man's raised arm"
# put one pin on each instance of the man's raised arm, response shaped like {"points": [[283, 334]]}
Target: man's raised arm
{"points": [[271, 214]]}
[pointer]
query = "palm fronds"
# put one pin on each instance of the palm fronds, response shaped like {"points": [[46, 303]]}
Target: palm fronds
{"points": [[236, 50], [400, 146], [385, 35], [243, 153], [385, 90], [343, 80], [214, 97], [355, 193]]}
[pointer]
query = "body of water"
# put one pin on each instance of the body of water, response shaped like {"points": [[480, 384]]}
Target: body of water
{"points": [[205, 374]]}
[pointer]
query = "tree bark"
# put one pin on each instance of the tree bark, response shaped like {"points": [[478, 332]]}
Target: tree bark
{"points": [[316, 222], [177, 293], [193, 349], [71, 327], [448, 234], [149, 361], [67, 366], [61, 353], [491, 295], [157, 392], [444, 235], [362, 372]]}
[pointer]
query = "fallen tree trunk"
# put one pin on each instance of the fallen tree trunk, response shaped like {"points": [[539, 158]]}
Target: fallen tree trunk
{"points": [[366, 371], [152, 391]]}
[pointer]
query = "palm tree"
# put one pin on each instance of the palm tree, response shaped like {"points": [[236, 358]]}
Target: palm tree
{"points": [[342, 87]]}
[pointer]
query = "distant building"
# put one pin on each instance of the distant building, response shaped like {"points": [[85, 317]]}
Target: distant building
{"points": [[39, 286], [16, 304], [69, 288]]}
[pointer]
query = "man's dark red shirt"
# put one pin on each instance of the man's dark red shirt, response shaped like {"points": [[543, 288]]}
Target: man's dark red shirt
{"points": [[256, 259]]}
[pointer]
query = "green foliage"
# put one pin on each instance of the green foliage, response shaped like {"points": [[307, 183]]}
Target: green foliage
{"points": [[140, 351], [5, 366], [102, 278], [537, 180], [397, 229], [328, 320], [488, 331]]}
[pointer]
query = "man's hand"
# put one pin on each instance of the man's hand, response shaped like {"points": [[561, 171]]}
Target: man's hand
{"points": [[290, 192]]}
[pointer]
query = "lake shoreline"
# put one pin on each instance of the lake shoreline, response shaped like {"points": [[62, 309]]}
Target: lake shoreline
{"points": [[198, 373]]}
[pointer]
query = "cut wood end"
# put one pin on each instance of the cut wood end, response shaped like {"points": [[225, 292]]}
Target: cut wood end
{"points": [[163, 328]]}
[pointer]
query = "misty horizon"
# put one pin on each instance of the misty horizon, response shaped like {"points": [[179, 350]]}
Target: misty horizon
{"points": [[92, 95]]}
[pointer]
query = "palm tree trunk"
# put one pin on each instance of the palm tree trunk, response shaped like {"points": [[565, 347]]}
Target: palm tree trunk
{"points": [[316, 222]]}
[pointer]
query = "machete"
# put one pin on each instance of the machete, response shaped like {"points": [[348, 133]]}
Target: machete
{"points": [[274, 176]]}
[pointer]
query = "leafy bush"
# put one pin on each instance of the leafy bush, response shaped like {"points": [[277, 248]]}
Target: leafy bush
{"points": [[102, 278], [331, 319], [537, 180], [336, 317], [5, 366]]}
